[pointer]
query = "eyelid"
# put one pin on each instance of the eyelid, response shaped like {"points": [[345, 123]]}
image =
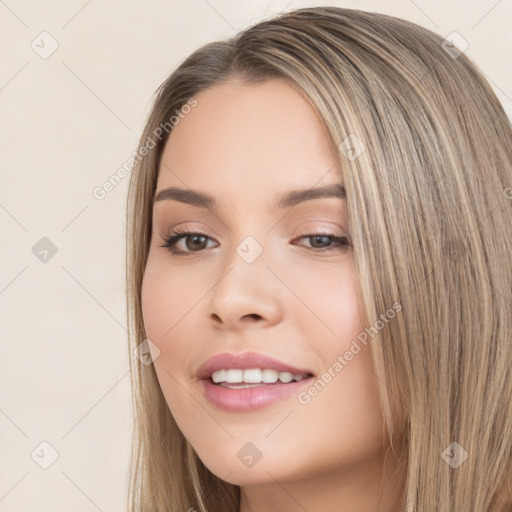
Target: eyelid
{"points": [[318, 225], [300, 231], [186, 227]]}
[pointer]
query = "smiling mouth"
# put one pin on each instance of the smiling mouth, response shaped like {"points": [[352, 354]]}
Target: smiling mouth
{"points": [[237, 390], [255, 377]]}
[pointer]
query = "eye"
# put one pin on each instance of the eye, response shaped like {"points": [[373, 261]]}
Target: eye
{"points": [[197, 241], [175, 236], [320, 239]]}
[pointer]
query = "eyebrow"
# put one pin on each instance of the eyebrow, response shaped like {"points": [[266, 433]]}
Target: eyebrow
{"points": [[288, 200]]}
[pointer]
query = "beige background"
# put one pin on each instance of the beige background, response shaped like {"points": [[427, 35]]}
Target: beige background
{"points": [[68, 121]]}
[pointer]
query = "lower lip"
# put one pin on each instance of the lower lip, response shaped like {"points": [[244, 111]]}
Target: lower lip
{"points": [[250, 399]]}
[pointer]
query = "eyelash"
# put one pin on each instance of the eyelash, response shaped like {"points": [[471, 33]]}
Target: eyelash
{"points": [[175, 236]]}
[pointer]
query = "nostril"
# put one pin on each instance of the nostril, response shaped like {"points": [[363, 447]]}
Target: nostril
{"points": [[253, 316]]}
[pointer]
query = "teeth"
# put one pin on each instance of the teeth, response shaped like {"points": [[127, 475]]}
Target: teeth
{"points": [[234, 376], [285, 377], [269, 376], [254, 376]]}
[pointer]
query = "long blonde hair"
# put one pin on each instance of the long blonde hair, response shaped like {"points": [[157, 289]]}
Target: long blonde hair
{"points": [[429, 204]]}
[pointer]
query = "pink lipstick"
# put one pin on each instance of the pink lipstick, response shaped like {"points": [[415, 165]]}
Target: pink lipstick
{"points": [[249, 381]]}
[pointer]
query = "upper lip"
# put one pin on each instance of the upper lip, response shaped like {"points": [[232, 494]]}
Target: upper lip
{"points": [[245, 361]]}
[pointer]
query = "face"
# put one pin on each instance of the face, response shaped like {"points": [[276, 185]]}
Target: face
{"points": [[275, 280]]}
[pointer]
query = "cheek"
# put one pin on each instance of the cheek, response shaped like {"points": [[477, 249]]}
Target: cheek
{"points": [[168, 301], [346, 400], [330, 295], [166, 297]]}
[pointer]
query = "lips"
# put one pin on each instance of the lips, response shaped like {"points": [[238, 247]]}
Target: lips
{"points": [[245, 361], [249, 397]]}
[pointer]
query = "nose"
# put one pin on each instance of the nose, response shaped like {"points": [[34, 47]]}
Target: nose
{"points": [[246, 294]]}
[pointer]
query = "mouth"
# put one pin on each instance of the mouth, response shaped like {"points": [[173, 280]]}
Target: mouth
{"points": [[254, 377], [249, 381], [249, 367], [251, 396]]}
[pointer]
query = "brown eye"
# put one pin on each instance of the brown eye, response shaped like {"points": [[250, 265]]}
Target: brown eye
{"points": [[194, 241]]}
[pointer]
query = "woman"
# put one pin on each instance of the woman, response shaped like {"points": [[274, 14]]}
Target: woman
{"points": [[319, 276]]}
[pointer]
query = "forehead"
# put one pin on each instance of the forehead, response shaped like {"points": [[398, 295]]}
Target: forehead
{"points": [[243, 137]]}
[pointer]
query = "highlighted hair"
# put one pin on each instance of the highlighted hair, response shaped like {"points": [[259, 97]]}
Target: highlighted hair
{"points": [[429, 204]]}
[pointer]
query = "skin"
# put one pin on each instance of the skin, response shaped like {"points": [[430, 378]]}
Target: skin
{"points": [[244, 144]]}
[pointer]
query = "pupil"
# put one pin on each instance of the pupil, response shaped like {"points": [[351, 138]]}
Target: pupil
{"points": [[195, 237], [317, 237]]}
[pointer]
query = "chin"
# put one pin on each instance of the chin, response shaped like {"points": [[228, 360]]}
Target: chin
{"points": [[242, 465]]}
